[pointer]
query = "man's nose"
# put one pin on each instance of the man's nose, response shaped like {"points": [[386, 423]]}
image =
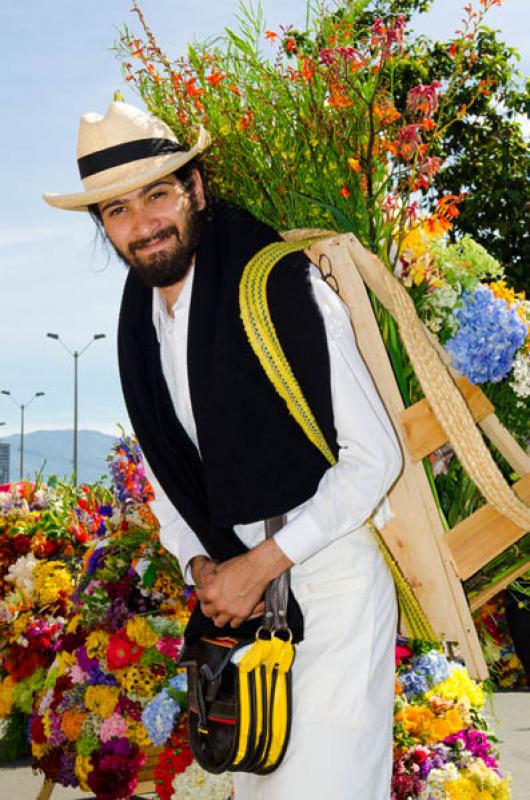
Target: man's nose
{"points": [[144, 224]]}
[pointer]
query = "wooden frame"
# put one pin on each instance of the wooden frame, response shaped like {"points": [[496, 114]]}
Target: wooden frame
{"points": [[433, 561]]}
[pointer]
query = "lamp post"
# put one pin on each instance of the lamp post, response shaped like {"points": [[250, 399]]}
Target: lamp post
{"points": [[22, 407], [76, 354]]}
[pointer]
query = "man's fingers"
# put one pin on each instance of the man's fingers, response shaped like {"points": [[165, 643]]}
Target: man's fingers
{"points": [[258, 610], [220, 620]]}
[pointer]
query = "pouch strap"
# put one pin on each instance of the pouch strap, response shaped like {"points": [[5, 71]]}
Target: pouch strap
{"points": [[277, 592]]}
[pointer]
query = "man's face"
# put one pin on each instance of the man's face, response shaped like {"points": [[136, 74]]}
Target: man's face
{"points": [[156, 229]]}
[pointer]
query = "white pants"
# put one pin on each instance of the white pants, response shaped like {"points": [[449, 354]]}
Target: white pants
{"points": [[343, 680]]}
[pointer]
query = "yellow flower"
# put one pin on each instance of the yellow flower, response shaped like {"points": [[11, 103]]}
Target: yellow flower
{"points": [[459, 686], [83, 768], [137, 679], [64, 661], [137, 733], [73, 625], [6, 696], [49, 579], [454, 720], [139, 630], [102, 699], [38, 750], [461, 789], [96, 644]]}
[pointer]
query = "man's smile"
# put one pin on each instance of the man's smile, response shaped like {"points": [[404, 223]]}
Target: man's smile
{"points": [[154, 243]]}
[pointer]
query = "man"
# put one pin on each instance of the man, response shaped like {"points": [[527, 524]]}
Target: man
{"points": [[225, 454]]}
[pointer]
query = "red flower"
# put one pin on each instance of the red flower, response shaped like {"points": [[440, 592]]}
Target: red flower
{"points": [[345, 192], [22, 544], [37, 731], [271, 35], [121, 651], [402, 652], [290, 45]]}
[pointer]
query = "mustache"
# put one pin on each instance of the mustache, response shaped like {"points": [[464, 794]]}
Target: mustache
{"points": [[161, 234]]}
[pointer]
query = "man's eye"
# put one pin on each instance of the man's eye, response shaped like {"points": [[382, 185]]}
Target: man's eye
{"points": [[114, 212], [157, 195]]}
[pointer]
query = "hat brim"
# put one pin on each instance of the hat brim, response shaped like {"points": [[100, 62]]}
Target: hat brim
{"points": [[142, 173]]}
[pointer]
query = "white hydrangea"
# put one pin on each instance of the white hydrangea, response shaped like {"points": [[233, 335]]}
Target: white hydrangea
{"points": [[196, 784], [20, 574], [521, 375]]}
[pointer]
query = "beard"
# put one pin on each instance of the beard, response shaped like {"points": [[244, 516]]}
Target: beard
{"points": [[169, 266]]}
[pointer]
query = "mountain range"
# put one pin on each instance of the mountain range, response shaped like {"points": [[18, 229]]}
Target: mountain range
{"points": [[52, 453]]}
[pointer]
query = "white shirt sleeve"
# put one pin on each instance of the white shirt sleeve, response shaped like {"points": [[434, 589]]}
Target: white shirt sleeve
{"points": [[369, 459], [175, 534]]}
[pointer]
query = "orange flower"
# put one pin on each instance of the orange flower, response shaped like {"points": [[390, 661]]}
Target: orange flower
{"points": [[308, 71], [72, 722], [354, 164], [235, 90], [192, 90], [438, 730], [271, 35], [215, 78], [345, 192], [290, 45]]}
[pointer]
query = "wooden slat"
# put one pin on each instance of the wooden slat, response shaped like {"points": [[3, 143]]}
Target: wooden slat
{"points": [[148, 787], [46, 790], [415, 535], [490, 591], [506, 444], [423, 432], [483, 535]]}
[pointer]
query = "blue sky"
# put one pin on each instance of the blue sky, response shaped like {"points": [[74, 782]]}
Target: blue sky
{"points": [[57, 64]]}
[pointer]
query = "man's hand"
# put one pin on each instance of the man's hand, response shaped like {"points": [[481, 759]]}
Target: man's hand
{"points": [[201, 568], [233, 591]]}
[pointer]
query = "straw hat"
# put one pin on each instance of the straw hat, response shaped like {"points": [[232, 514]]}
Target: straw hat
{"points": [[122, 151]]}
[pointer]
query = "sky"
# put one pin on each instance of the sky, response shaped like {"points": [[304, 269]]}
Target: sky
{"points": [[56, 64]]}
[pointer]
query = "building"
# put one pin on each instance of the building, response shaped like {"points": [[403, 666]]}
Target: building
{"points": [[4, 462]]}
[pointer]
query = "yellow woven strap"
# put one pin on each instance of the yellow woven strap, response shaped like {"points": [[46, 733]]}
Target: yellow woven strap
{"points": [[262, 336], [263, 339]]}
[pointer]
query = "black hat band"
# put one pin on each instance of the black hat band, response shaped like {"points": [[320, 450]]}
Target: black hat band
{"points": [[124, 153]]}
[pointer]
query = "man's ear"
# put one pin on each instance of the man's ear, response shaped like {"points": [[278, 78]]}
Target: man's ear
{"points": [[198, 190]]}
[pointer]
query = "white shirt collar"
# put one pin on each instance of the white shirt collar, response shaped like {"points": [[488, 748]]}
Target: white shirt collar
{"points": [[161, 315]]}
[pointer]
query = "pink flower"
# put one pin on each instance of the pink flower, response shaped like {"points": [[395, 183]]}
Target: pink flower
{"points": [[77, 674], [169, 647], [424, 98], [113, 727]]}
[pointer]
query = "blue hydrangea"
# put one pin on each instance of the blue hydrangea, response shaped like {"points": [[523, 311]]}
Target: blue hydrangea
{"points": [[413, 682], [434, 666], [159, 717], [179, 682], [489, 335]]}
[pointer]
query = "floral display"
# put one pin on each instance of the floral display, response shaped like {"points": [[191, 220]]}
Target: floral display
{"points": [[97, 710], [443, 746]]}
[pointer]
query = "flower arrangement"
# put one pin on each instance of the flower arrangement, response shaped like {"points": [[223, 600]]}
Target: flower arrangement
{"points": [[97, 711], [504, 665], [443, 747]]}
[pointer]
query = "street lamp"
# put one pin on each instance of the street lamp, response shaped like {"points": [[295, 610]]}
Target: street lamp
{"points": [[22, 407], [76, 354]]}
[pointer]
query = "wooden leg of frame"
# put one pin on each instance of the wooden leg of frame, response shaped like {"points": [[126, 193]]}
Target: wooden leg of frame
{"points": [[46, 790]]}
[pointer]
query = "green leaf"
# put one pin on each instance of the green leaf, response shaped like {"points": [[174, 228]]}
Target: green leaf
{"points": [[239, 42], [149, 575]]}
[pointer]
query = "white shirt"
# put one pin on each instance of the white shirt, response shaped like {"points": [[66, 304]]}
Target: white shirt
{"points": [[369, 459]]}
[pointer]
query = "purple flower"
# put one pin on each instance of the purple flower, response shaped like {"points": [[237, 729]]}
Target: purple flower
{"points": [[87, 664]]}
